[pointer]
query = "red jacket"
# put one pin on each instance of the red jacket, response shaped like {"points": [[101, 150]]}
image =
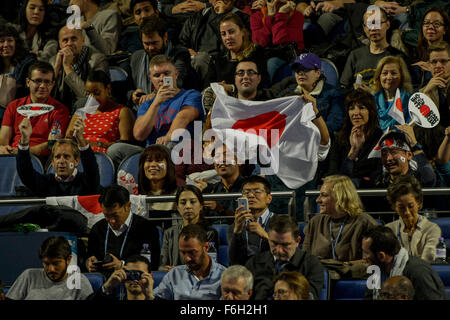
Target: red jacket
{"points": [[278, 29]]}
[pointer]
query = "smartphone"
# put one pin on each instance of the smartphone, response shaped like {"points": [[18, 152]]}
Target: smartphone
{"points": [[168, 80], [139, 94], [243, 202]]}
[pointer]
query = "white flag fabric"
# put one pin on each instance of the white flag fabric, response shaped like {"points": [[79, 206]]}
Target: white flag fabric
{"points": [[396, 110], [281, 128], [90, 107], [376, 151]]}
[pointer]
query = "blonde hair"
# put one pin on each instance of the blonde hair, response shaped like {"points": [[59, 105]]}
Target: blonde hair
{"points": [[296, 282], [345, 194], [405, 77]]}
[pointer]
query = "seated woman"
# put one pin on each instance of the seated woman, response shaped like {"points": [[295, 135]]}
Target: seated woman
{"points": [[110, 122], [391, 74], [278, 27], [335, 232], [435, 28], [416, 233], [156, 176], [238, 46], [291, 286], [443, 159], [189, 200], [354, 142], [33, 24], [310, 79], [14, 63]]}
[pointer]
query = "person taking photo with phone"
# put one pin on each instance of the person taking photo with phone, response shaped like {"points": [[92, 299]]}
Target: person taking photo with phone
{"points": [[247, 235]]}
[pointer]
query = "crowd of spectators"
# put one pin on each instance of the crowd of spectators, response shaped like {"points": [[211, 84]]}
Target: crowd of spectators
{"points": [[170, 52]]}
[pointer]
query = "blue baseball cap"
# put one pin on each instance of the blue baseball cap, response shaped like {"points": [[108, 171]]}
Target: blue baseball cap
{"points": [[307, 61]]}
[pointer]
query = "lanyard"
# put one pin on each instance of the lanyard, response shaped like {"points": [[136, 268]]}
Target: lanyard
{"points": [[333, 241], [124, 239]]}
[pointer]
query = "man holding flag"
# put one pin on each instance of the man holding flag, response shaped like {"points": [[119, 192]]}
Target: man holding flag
{"points": [[291, 130], [40, 80]]}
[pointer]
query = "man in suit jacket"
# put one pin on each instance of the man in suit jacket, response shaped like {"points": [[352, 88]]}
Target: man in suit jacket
{"points": [[247, 235], [121, 234]]}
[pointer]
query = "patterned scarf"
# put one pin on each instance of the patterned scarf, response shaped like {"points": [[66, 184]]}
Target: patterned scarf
{"points": [[80, 66]]}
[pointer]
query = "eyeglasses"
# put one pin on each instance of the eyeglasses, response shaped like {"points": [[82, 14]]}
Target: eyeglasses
{"points": [[435, 24], [256, 192], [40, 81], [241, 73], [442, 61], [280, 293]]}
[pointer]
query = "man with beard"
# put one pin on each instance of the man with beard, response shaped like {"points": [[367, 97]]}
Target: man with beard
{"points": [[155, 40], [136, 289], [52, 282], [284, 255], [381, 248], [363, 61], [199, 278]]}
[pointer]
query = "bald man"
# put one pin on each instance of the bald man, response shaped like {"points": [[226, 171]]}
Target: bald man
{"points": [[397, 288], [72, 64]]}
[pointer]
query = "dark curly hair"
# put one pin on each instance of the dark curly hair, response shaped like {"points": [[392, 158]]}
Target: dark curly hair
{"points": [[7, 30]]}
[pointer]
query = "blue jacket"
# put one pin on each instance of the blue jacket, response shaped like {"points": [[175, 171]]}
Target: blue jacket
{"points": [[330, 100]]}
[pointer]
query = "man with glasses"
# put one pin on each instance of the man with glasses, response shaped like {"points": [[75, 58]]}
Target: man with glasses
{"points": [[247, 235], [438, 88], [40, 81], [363, 61], [284, 255]]}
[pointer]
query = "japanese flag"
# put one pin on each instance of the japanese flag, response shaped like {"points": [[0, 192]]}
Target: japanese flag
{"points": [[277, 132], [396, 110]]}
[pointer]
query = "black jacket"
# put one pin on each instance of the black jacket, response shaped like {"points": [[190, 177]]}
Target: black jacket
{"points": [[45, 185], [141, 231], [194, 28], [262, 266]]}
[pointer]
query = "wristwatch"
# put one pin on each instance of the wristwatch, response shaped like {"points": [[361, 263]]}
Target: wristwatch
{"points": [[416, 147], [318, 115]]}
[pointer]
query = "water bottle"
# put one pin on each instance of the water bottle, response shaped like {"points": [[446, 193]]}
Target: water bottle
{"points": [[212, 252], [441, 251], [146, 253]]}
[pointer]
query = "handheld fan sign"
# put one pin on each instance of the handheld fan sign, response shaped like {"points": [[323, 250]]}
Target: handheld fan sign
{"points": [[34, 109], [423, 111]]}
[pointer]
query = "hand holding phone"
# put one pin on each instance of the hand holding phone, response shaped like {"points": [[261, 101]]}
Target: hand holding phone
{"points": [[243, 202], [168, 80]]}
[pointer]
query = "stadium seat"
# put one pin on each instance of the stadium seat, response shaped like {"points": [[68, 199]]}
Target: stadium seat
{"points": [[444, 224], [96, 280], [325, 293], [222, 255], [330, 72], [117, 74], [105, 166], [131, 165], [349, 290], [222, 230], [9, 178], [444, 273], [157, 277], [302, 226]]}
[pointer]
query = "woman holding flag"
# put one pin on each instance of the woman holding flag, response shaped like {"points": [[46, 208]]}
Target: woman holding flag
{"points": [[392, 90], [109, 122]]}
